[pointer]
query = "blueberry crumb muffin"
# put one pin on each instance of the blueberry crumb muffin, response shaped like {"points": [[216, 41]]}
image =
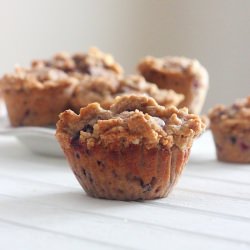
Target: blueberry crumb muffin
{"points": [[94, 63], [231, 131], [1, 104], [183, 75], [134, 150], [94, 89], [104, 90], [35, 97]]}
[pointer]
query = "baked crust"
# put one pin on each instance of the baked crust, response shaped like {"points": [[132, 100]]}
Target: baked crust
{"points": [[181, 74], [230, 127], [35, 97], [135, 150], [94, 89], [104, 90], [133, 173], [232, 117], [94, 62]]}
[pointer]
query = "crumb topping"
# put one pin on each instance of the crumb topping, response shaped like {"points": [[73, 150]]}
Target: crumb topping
{"points": [[174, 65], [94, 89], [232, 117], [137, 120], [138, 84], [35, 78], [94, 62], [104, 90]]}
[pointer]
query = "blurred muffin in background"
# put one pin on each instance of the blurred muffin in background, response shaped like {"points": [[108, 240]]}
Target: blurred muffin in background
{"points": [[231, 131], [36, 96], [104, 90], [2, 105], [180, 74], [93, 63]]}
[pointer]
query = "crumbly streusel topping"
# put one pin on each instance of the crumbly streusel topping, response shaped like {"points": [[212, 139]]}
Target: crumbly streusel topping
{"points": [[136, 120], [174, 65], [35, 78], [94, 62], [138, 84], [94, 89], [232, 117], [104, 90]]}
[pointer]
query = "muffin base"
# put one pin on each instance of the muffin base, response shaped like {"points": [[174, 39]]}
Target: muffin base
{"points": [[193, 90], [232, 147], [36, 107], [133, 173]]}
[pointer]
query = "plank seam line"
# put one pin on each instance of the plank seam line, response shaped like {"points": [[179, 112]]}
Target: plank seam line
{"points": [[141, 222], [62, 234]]}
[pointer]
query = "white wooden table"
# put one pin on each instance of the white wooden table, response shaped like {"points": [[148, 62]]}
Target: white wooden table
{"points": [[43, 207]]}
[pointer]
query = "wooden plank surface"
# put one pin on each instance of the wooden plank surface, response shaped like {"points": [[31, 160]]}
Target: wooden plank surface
{"points": [[43, 207]]}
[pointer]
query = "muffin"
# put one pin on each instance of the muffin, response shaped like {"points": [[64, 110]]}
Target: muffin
{"points": [[35, 97], [94, 89], [104, 90], [134, 150], [183, 75], [94, 63], [2, 107], [231, 131]]}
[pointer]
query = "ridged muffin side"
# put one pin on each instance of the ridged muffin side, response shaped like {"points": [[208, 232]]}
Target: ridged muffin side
{"points": [[183, 75]]}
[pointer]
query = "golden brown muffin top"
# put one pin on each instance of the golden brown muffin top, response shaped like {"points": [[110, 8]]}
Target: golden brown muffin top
{"points": [[136, 83], [94, 89], [231, 117], [94, 62], [23, 78], [174, 65], [104, 90], [136, 120]]}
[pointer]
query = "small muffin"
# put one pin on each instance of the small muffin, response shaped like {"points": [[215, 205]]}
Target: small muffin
{"points": [[94, 63], [94, 89], [134, 150], [183, 75], [35, 97], [2, 107], [104, 90], [231, 131]]}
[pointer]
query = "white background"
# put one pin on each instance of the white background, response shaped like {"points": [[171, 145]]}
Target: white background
{"points": [[217, 32]]}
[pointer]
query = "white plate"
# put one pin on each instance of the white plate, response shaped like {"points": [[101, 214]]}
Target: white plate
{"points": [[39, 140]]}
